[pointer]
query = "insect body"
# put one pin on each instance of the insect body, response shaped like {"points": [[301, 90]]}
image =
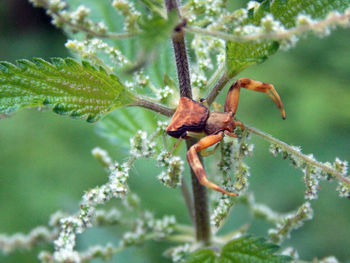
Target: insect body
{"points": [[192, 118]]}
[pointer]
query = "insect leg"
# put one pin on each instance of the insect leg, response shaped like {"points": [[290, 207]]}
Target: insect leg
{"points": [[232, 98], [197, 167]]}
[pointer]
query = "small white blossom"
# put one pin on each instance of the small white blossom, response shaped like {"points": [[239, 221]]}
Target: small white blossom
{"points": [[291, 252], [164, 93], [291, 221], [253, 4], [221, 210], [141, 146], [102, 156], [269, 24], [174, 167], [330, 259], [178, 253]]}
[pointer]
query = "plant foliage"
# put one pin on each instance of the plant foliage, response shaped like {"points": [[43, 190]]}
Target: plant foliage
{"points": [[244, 249], [240, 55], [74, 89]]}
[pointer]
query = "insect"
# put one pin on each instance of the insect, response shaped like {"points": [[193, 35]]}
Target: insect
{"points": [[193, 119]]}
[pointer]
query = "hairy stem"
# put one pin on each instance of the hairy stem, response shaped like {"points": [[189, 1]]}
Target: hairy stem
{"points": [[201, 212], [188, 198], [217, 88], [302, 156], [332, 20], [144, 103]]}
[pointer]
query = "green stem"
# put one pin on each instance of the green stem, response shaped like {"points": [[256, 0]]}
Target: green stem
{"points": [[144, 103], [217, 88], [304, 157]]}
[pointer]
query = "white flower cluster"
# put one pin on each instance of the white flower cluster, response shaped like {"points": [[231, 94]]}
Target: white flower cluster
{"points": [[105, 252], [291, 252], [174, 167], [178, 253], [77, 19], [311, 179], [342, 167], [164, 93], [291, 221], [313, 170], [89, 49], [72, 225], [202, 51], [65, 243], [253, 5], [209, 11], [141, 146], [241, 170], [102, 157], [131, 15], [21, 241], [103, 218], [232, 154], [148, 227], [221, 210], [330, 259]]}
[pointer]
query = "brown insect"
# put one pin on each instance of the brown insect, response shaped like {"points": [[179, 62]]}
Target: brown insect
{"points": [[192, 118]]}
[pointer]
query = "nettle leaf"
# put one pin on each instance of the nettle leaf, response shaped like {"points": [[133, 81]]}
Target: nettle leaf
{"points": [[72, 88], [240, 55], [251, 249], [156, 32], [203, 256], [287, 11], [119, 126], [241, 250]]}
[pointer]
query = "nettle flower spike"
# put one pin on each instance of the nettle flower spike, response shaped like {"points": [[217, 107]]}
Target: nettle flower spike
{"points": [[174, 167], [290, 222]]}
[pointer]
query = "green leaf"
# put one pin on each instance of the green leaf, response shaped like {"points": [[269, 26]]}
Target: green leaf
{"points": [[251, 249], [156, 32], [242, 55], [78, 90], [287, 11], [203, 256], [241, 250], [119, 126]]}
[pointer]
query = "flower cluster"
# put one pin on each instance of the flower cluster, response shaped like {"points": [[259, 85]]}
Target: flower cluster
{"points": [[147, 227], [232, 155], [72, 225], [221, 210], [141, 146], [178, 253], [291, 221], [91, 48], [174, 167], [313, 170], [77, 20], [39, 234], [131, 15]]}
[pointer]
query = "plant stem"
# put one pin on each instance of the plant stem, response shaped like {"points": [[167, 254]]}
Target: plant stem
{"points": [[217, 88], [144, 103], [201, 212], [333, 20], [302, 156], [188, 198]]}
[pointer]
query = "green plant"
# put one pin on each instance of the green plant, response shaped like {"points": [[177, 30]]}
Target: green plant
{"points": [[223, 43]]}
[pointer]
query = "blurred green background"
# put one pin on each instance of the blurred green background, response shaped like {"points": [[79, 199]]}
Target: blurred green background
{"points": [[45, 160]]}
